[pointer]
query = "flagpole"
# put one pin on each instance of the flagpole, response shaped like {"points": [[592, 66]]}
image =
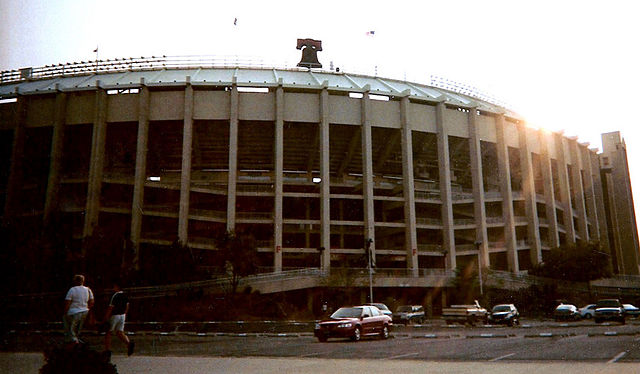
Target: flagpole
{"points": [[96, 51]]}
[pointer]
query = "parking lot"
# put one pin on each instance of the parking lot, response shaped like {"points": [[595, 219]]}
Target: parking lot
{"points": [[534, 340]]}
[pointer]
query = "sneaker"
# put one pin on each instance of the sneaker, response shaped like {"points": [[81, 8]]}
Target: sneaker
{"points": [[130, 348]]}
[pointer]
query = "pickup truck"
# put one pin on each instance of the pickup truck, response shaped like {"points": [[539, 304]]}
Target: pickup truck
{"points": [[465, 314]]}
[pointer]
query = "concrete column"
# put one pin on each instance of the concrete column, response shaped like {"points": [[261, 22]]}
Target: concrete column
{"points": [[57, 148], [325, 184], [444, 167], [589, 194], [406, 144], [97, 162], [603, 229], [141, 172], [507, 196], [14, 183], [185, 176], [279, 181], [479, 209], [563, 178], [529, 192], [233, 158], [367, 173], [578, 189], [549, 193]]}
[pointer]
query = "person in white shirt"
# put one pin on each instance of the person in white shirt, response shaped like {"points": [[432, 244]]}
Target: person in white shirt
{"points": [[77, 303]]}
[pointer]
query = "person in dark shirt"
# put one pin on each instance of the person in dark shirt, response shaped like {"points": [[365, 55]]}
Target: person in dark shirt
{"points": [[116, 313]]}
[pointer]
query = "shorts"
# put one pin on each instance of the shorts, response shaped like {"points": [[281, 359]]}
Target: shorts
{"points": [[116, 323]]}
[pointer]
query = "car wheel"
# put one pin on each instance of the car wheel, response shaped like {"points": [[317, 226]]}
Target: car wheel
{"points": [[356, 335], [385, 332], [510, 323], [587, 316]]}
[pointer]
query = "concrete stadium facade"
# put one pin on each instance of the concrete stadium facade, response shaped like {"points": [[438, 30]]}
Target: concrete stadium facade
{"points": [[312, 163]]}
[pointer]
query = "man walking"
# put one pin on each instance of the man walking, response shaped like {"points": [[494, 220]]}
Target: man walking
{"points": [[116, 313], [77, 303]]}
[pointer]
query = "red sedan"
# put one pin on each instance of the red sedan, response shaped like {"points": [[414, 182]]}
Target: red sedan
{"points": [[354, 323]]}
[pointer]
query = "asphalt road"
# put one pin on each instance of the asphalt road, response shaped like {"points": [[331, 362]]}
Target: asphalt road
{"points": [[532, 347]]}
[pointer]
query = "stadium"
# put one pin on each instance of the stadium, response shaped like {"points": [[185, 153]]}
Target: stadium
{"points": [[322, 167]]}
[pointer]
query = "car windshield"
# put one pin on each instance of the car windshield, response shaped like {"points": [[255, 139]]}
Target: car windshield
{"points": [[629, 306], [501, 308], [564, 307], [404, 308], [347, 313], [608, 304]]}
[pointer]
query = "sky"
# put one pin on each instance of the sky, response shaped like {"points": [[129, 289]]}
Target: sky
{"points": [[563, 65]]}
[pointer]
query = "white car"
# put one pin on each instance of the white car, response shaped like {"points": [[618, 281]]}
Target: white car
{"points": [[631, 310], [588, 311]]}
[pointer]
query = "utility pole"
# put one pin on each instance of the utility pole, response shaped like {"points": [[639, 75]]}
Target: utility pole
{"points": [[368, 250], [478, 244]]}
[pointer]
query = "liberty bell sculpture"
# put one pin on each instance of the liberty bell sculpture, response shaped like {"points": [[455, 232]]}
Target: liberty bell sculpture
{"points": [[310, 49]]}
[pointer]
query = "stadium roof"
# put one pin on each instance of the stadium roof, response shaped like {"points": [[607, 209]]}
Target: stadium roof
{"points": [[131, 73]]}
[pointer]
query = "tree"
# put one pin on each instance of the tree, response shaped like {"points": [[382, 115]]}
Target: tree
{"points": [[579, 262], [239, 255]]}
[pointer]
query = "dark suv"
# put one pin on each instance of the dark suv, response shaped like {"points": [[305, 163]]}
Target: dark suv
{"points": [[609, 309], [408, 314]]}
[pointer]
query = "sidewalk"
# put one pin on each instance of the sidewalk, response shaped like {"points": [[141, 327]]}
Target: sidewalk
{"points": [[28, 363]]}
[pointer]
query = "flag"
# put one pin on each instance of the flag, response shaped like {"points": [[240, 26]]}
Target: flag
{"points": [[95, 50], [371, 33], [235, 21]]}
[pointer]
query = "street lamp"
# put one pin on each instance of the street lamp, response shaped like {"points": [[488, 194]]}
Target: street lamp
{"points": [[478, 244], [368, 250]]}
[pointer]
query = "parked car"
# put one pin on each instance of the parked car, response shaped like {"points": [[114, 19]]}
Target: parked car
{"points": [[608, 310], [631, 310], [566, 312], [354, 323], [470, 314], [383, 308], [504, 314], [587, 311], [408, 314]]}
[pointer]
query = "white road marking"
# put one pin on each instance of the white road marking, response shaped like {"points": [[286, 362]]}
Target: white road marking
{"points": [[311, 354], [404, 355], [618, 356], [501, 357]]}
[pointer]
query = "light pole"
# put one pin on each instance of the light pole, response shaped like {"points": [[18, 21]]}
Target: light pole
{"points": [[478, 244], [368, 249]]}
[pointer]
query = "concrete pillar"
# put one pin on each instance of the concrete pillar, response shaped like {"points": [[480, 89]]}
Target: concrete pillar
{"points": [[233, 158], [14, 183], [279, 170], [57, 149], [444, 167], [563, 178], [185, 176], [479, 209], [590, 194], [507, 196], [549, 192], [529, 192], [406, 143], [578, 189], [325, 183], [141, 172], [96, 166], [603, 230], [367, 173]]}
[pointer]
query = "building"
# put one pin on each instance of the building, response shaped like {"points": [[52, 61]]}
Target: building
{"points": [[314, 164]]}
